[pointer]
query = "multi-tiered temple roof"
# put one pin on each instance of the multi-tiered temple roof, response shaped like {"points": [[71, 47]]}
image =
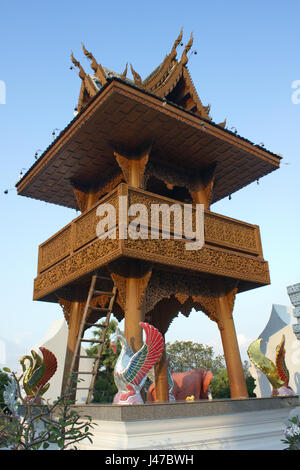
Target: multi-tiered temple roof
{"points": [[164, 111]]}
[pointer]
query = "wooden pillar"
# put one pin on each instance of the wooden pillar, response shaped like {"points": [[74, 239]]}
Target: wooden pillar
{"points": [[161, 378], [133, 166], [76, 312], [131, 279], [203, 188], [133, 314], [237, 383], [160, 321]]}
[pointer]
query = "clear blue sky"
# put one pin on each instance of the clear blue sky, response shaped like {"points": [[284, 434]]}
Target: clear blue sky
{"points": [[248, 57]]}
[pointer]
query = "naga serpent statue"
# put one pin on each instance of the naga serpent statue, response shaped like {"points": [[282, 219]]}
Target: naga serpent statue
{"points": [[277, 374], [38, 373], [131, 368]]}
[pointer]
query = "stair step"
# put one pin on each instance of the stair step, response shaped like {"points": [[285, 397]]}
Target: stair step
{"points": [[104, 278], [86, 357], [99, 309], [81, 372], [102, 325], [102, 292], [92, 341]]}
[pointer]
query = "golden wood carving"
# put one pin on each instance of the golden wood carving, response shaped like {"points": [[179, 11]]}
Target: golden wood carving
{"points": [[133, 166], [59, 257], [124, 74], [88, 89], [189, 292], [137, 78], [55, 249], [66, 308], [99, 72], [80, 263]]}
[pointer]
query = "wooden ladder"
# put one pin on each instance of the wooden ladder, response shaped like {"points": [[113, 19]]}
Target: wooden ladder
{"points": [[84, 323]]}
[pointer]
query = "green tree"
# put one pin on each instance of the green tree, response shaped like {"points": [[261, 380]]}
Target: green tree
{"points": [[220, 385], [105, 387], [188, 355], [4, 380]]}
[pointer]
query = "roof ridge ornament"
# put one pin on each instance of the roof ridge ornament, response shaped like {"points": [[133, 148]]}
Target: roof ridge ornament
{"points": [[99, 72], [177, 41], [124, 74], [223, 124], [90, 56], [137, 78], [184, 59], [77, 64]]}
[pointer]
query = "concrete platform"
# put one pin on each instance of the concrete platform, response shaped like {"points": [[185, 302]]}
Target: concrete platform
{"points": [[254, 423]]}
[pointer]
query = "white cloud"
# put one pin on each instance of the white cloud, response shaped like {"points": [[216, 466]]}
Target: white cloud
{"points": [[243, 340]]}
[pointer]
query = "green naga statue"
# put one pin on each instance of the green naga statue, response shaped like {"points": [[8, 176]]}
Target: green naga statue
{"points": [[277, 374], [38, 372]]}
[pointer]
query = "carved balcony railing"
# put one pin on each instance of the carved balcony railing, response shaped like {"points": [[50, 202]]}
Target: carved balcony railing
{"points": [[232, 248]]}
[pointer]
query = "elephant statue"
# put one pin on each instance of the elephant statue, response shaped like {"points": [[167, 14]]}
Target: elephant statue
{"points": [[193, 382]]}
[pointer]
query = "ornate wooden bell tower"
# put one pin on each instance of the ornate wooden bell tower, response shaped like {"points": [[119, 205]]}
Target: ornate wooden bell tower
{"points": [[150, 141]]}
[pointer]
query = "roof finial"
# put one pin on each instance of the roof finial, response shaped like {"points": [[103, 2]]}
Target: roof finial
{"points": [[176, 44], [136, 76], [99, 72], [78, 65], [124, 74], [222, 124], [90, 56], [184, 58]]}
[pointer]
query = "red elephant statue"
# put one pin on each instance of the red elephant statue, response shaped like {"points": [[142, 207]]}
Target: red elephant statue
{"points": [[193, 382]]}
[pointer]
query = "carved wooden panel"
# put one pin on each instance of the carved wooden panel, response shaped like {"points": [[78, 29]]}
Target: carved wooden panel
{"points": [[85, 226], [219, 230], [80, 263], [231, 233], [55, 249], [208, 259]]}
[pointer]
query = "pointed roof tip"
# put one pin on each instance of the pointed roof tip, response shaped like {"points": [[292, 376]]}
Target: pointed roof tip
{"points": [[83, 48], [136, 76], [78, 65], [223, 124], [180, 34], [124, 74], [191, 40], [176, 44], [88, 54], [184, 59], [75, 62]]}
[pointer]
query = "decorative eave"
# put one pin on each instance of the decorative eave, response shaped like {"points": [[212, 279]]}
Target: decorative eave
{"points": [[76, 154]]}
